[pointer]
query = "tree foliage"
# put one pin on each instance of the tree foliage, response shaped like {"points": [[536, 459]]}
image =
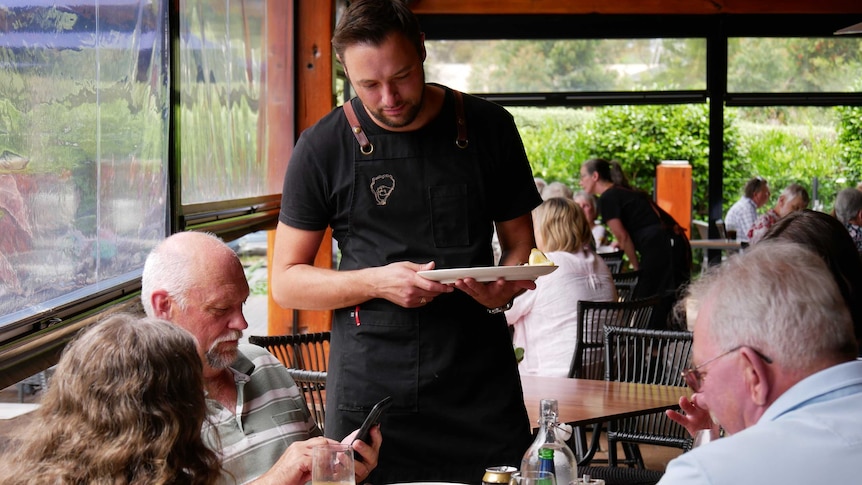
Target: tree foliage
{"points": [[559, 140], [550, 65], [640, 137]]}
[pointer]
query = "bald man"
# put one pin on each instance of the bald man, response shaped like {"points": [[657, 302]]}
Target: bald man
{"points": [[258, 419]]}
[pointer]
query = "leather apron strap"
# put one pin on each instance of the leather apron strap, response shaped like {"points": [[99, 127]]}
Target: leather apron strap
{"points": [[367, 148], [460, 120]]}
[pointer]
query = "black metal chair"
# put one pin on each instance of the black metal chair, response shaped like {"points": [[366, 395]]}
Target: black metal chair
{"points": [[306, 357], [312, 383], [307, 351], [645, 356], [593, 316], [621, 476], [626, 283], [614, 261], [588, 357]]}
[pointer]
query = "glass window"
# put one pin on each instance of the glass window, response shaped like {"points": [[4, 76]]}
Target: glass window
{"points": [[522, 66], [222, 52], [83, 145], [793, 65]]}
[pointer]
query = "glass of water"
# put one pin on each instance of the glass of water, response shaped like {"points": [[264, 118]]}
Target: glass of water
{"points": [[332, 464], [533, 478]]}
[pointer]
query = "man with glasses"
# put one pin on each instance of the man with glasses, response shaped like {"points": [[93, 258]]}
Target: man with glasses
{"points": [[743, 213], [773, 364]]}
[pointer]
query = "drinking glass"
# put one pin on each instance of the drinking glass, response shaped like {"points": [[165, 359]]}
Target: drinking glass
{"points": [[533, 478], [332, 464]]}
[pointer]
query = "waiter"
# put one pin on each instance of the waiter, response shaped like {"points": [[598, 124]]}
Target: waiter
{"points": [[411, 177]]}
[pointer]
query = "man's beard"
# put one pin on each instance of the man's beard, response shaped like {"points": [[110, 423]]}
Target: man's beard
{"points": [[221, 359], [409, 116]]}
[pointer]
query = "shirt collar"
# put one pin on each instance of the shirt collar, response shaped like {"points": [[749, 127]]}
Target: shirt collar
{"points": [[824, 385]]}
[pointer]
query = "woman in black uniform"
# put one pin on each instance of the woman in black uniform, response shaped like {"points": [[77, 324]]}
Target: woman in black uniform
{"points": [[645, 232]]}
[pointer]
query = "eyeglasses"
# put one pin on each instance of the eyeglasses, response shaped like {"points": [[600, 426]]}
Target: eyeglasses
{"points": [[694, 375]]}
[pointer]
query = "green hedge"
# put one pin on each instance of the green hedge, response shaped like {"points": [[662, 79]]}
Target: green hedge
{"points": [[558, 140]]}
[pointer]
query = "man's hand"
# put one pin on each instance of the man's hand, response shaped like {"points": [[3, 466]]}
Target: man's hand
{"points": [[368, 452], [695, 417], [294, 465], [400, 284], [495, 293]]}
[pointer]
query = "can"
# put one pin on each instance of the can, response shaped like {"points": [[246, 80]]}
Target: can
{"points": [[496, 475]]}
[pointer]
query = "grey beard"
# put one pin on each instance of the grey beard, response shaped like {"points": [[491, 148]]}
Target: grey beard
{"points": [[218, 360]]}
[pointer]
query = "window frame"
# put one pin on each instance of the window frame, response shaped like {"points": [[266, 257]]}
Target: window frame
{"points": [[34, 340]]}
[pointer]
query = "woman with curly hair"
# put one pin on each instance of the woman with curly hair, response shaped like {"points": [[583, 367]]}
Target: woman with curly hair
{"points": [[125, 406]]}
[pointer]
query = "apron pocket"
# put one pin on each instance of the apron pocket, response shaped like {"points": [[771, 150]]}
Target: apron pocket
{"points": [[450, 215], [380, 357]]}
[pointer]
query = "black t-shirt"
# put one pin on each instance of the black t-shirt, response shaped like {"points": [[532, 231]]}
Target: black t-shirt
{"points": [[632, 208], [319, 184]]}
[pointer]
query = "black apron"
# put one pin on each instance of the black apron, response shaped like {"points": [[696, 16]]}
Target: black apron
{"points": [[449, 365]]}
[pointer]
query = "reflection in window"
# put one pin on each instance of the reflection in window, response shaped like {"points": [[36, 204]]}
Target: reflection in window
{"points": [[522, 66], [83, 103], [793, 65], [222, 53]]}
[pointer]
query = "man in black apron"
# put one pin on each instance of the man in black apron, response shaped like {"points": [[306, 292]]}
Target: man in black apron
{"points": [[411, 176]]}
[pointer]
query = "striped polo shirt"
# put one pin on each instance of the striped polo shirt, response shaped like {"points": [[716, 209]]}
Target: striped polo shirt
{"points": [[270, 415]]}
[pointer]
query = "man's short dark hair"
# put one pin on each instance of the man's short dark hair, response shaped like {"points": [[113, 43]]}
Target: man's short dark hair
{"points": [[753, 186], [372, 21]]}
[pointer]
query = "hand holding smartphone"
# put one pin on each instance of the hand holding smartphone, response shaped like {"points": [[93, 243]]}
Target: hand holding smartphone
{"points": [[373, 419]]}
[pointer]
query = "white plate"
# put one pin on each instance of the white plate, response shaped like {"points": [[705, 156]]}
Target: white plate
{"points": [[488, 273]]}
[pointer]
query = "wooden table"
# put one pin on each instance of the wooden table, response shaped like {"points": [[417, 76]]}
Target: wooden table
{"points": [[585, 401], [721, 244]]}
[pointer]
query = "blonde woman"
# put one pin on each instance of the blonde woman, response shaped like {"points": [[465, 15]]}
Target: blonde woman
{"points": [[545, 320], [125, 406]]}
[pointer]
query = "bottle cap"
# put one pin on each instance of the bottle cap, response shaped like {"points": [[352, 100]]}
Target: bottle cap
{"points": [[548, 406]]}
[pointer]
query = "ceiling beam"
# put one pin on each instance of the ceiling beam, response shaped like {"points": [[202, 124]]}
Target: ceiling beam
{"points": [[648, 7]]}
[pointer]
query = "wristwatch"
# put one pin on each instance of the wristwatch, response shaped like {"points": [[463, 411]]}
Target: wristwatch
{"points": [[501, 309]]}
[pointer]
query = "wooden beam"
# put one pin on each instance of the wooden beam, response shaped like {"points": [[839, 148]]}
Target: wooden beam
{"points": [[313, 93], [648, 7]]}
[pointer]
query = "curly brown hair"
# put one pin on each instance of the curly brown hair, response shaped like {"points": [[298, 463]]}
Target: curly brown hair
{"points": [[125, 405]]}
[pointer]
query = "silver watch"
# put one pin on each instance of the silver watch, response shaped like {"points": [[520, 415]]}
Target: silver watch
{"points": [[501, 309]]}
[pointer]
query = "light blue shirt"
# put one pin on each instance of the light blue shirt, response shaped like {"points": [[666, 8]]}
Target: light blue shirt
{"points": [[811, 434]]}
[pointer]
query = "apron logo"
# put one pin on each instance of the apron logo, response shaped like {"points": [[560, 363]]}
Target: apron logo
{"points": [[382, 187]]}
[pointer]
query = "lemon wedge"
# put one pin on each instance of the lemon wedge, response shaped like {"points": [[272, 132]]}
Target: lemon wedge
{"points": [[538, 258]]}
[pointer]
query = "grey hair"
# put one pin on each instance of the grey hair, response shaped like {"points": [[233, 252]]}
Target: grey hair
{"points": [[168, 267], [793, 191], [779, 298], [557, 189], [848, 203], [584, 195]]}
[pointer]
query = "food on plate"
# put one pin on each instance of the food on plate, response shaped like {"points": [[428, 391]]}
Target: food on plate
{"points": [[538, 258]]}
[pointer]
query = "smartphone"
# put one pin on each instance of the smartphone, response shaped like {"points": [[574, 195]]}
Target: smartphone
{"points": [[373, 418]]}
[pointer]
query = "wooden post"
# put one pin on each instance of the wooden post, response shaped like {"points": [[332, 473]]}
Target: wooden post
{"points": [[312, 61], [673, 191]]}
